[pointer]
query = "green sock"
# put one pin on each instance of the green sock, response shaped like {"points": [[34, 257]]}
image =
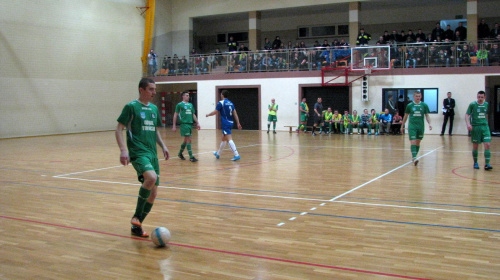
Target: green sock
{"points": [[414, 151], [141, 201], [274, 126], [189, 150], [418, 149], [487, 156], [183, 146], [474, 155], [147, 209]]}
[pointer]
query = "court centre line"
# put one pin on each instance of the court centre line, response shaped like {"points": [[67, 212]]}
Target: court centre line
{"points": [[288, 197]]}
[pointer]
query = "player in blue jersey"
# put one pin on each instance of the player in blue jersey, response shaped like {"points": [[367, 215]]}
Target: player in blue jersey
{"points": [[227, 114]]}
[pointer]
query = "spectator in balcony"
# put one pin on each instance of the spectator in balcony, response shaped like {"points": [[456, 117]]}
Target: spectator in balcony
{"points": [[266, 62], [303, 45], [483, 30], [411, 58], [325, 44], [317, 59], [494, 55], [267, 45], [393, 37], [152, 63], [326, 57], [250, 63], [437, 32], [233, 62], [421, 57], [232, 45], [276, 43], [420, 35], [429, 38], [381, 41], [363, 38], [193, 52], [458, 37], [448, 33], [172, 67], [218, 57], [386, 37], [289, 46], [433, 55], [243, 48], [464, 56], [257, 63], [164, 66], [335, 43], [462, 29], [182, 67], [442, 59], [397, 56], [343, 43], [403, 38], [495, 31], [482, 56], [243, 59], [411, 37]]}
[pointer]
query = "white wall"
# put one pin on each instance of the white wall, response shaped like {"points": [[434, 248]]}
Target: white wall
{"points": [[286, 92], [67, 66]]}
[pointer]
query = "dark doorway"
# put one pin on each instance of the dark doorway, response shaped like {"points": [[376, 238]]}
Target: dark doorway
{"points": [[246, 102], [335, 97], [496, 109]]}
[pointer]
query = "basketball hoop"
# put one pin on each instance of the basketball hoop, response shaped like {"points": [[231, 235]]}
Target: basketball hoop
{"points": [[368, 69]]}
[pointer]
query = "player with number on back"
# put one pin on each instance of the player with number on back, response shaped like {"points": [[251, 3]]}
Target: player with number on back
{"points": [[227, 114]]}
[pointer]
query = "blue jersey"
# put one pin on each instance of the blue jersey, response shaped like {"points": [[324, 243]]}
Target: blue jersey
{"points": [[226, 108]]}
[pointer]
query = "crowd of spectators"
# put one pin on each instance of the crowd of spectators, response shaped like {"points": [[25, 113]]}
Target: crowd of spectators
{"points": [[439, 48]]}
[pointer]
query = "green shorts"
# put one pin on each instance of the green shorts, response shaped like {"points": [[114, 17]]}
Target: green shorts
{"points": [[146, 163], [303, 117], [480, 134], [416, 133], [272, 118], [186, 129]]}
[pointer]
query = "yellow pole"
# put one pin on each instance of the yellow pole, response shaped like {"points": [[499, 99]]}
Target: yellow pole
{"points": [[148, 33]]}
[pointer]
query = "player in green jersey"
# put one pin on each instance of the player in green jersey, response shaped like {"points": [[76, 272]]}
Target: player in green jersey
{"points": [[416, 111], [186, 113], [141, 118], [476, 119], [272, 117], [304, 115]]}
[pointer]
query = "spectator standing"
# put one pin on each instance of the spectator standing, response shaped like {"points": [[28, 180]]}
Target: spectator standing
{"points": [[476, 119], [483, 30], [462, 29], [495, 31], [420, 35], [232, 45], [437, 32], [152, 63], [448, 113], [276, 43], [363, 38], [448, 33]]}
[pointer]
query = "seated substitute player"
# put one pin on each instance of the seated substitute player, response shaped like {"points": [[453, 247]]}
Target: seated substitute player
{"points": [[227, 114], [365, 122], [338, 125], [416, 111], [373, 122], [385, 121], [141, 118], [476, 119], [186, 113], [355, 121], [272, 117], [347, 121], [397, 120]]}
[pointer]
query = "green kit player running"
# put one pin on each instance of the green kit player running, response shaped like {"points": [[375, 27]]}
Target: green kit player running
{"points": [[476, 119], [141, 119], [416, 110], [186, 113]]}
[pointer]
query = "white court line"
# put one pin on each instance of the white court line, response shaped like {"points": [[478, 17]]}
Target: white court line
{"points": [[383, 175], [93, 170]]}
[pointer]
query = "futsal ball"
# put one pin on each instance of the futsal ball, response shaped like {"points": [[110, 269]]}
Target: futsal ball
{"points": [[160, 236]]}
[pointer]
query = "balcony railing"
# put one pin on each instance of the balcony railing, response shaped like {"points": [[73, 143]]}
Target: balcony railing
{"points": [[416, 55]]}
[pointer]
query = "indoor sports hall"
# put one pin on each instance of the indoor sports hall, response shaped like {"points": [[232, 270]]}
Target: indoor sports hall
{"points": [[295, 206]]}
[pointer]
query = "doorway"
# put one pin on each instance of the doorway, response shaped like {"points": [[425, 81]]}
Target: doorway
{"points": [[246, 103]]}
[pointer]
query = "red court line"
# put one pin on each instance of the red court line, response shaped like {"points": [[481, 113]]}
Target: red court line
{"points": [[222, 251], [454, 171]]}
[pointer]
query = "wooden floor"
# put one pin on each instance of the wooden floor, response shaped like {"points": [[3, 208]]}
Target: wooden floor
{"points": [[294, 207]]}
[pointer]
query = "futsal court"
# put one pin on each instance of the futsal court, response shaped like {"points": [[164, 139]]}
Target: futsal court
{"points": [[294, 207]]}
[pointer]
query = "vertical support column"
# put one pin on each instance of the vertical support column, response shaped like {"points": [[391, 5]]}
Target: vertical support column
{"points": [[472, 21], [354, 8], [190, 36], [254, 38]]}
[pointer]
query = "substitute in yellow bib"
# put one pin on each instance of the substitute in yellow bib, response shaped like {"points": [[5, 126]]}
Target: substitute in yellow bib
{"points": [[272, 117]]}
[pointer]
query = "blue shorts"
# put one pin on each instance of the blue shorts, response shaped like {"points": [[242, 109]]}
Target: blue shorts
{"points": [[226, 130]]}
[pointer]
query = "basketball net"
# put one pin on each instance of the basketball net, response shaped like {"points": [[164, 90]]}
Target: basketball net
{"points": [[368, 69]]}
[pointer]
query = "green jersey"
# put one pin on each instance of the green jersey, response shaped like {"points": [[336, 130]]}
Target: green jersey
{"points": [[416, 114], [304, 106], [141, 122], [186, 112], [478, 113], [328, 116]]}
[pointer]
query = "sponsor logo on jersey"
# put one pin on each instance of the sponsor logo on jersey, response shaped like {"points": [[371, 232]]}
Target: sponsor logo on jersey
{"points": [[143, 115], [153, 115]]}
